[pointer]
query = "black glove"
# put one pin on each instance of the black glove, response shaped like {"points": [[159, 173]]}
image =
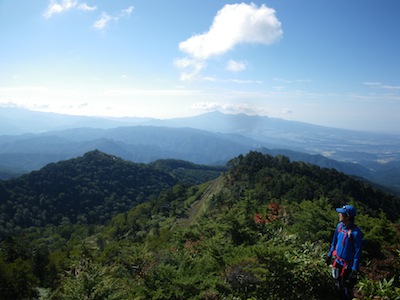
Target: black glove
{"points": [[328, 260], [352, 278], [353, 275]]}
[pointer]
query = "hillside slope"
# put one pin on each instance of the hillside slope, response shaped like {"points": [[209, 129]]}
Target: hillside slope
{"points": [[262, 224], [266, 223], [89, 190]]}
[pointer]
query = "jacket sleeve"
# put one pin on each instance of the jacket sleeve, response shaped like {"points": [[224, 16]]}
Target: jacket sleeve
{"points": [[358, 243], [334, 241]]}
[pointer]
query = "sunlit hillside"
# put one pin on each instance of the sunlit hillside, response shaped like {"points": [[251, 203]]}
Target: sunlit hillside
{"points": [[260, 230]]}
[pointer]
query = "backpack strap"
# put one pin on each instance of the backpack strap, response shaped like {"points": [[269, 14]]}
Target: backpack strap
{"points": [[337, 258], [347, 235]]}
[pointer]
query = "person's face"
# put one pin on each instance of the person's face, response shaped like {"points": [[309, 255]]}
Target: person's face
{"points": [[343, 217]]}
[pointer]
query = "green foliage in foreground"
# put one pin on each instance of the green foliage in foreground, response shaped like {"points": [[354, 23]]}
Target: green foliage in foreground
{"points": [[261, 231]]}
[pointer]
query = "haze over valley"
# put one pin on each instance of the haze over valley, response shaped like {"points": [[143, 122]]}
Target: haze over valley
{"points": [[32, 139]]}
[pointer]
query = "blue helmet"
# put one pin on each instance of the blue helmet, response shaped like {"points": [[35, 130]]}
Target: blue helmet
{"points": [[347, 209]]}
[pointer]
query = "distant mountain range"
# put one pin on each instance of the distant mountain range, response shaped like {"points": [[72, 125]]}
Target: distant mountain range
{"points": [[29, 140]]}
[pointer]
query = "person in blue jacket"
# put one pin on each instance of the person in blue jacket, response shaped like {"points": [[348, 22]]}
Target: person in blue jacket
{"points": [[346, 251]]}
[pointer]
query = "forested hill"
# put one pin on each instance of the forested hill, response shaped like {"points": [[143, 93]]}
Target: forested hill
{"points": [[261, 230], [297, 181], [90, 190]]}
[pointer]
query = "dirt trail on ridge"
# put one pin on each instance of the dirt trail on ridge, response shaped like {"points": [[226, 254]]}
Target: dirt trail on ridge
{"points": [[214, 188]]}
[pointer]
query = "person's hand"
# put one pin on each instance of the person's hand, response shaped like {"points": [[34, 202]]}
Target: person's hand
{"points": [[353, 275], [352, 279], [328, 260]]}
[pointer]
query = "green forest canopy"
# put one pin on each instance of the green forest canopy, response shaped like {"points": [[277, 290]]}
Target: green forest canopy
{"points": [[90, 189], [259, 231]]}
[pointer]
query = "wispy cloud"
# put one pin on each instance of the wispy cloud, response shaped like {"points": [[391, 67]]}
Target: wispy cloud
{"points": [[379, 85], [56, 7], [239, 81], [245, 81], [286, 111], [105, 18], [235, 66], [126, 11], [230, 108], [283, 80], [233, 25], [190, 67], [86, 7], [102, 21]]}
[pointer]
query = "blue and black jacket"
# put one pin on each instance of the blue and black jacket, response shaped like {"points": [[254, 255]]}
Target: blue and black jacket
{"points": [[346, 246]]}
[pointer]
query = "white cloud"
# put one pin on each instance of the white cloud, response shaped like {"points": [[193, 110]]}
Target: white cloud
{"points": [[105, 18], [283, 80], [86, 7], [238, 81], [102, 21], [372, 84], [286, 111], [245, 81], [126, 12], [58, 7], [191, 67], [233, 25], [208, 106], [235, 66], [230, 108], [379, 85]]}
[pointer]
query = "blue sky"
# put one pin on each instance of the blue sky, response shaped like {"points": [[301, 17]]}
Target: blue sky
{"points": [[332, 63]]}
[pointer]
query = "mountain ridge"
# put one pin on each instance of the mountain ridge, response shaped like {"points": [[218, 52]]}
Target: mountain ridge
{"points": [[69, 191], [264, 222], [211, 138]]}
